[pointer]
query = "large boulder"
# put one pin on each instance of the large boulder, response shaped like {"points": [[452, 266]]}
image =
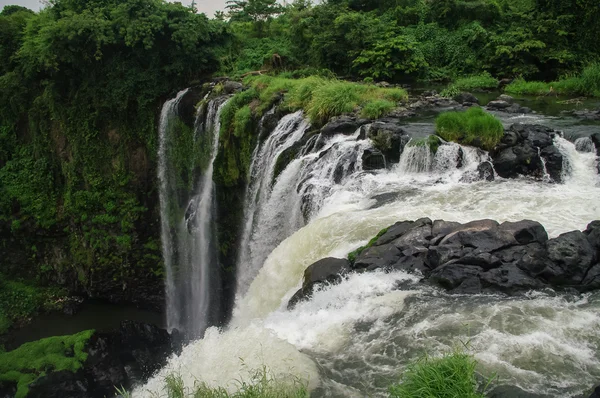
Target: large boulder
{"points": [[466, 99], [528, 150], [373, 159], [344, 124], [327, 270], [571, 256], [389, 138]]}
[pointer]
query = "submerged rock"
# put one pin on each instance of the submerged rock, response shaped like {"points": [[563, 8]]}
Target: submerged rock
{"points": [[477, 257], [466, 98]]}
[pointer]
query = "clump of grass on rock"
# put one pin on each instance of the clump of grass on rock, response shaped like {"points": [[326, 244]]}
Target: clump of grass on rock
{"points": [[474, 127]]}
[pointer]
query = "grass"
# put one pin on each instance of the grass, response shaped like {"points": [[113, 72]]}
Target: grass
{"points": [[483, 81], [262, 385], [352, 255], [32, 360], [449, 376], [322, 98], [587, 83], [474, 127], [21, 300]]}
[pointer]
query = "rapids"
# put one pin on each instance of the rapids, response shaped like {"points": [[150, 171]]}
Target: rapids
{"points": [[355, 338]]}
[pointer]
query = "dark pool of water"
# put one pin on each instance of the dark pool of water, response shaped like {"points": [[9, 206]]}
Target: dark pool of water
{"points": [[101, 316]]}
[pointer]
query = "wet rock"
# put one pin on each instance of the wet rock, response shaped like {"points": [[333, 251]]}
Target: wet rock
{"points": [[440, 255], [342, 125], [485, 171], [596, 393], [450, 276], [593, 236], [587, 114], [468, 98], [327, 270], [231, 87], [63, 384], [526, 231], [389, 138], [521, 150], [571, 255], [510, 280], [596, 140], [373, 159], [592, 279], [498, 105], [377, 257], [400, 228], [512, 392], [505, 98]]}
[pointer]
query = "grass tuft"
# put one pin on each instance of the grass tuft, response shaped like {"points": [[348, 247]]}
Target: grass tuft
{"points": [[377, 109], [474, 127], [32, 360], [483, 81], [450, 376], [587, 83]]}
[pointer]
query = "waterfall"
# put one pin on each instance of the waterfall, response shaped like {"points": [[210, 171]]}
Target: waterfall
{"points": [[415, 159], [296, 195], [187, 233], [585, 144]]}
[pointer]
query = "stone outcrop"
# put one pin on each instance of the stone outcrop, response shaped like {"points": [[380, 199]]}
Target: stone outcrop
{"points": [[477, 257], [525, 149], [119, 359]]}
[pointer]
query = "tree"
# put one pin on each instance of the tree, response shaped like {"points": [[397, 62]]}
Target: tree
{"points": [[253, 10]]}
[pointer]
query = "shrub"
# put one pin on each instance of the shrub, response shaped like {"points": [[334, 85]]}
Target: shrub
{"points": [[32, 360], [450, 376], [590, 80], [473, 127], [476, 82]]}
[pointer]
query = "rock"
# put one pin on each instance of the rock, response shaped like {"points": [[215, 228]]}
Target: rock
{"points": [[505, 82], [485, 171], [592, 233], [327, 270], [596, 393], [526, 231], [399, 229], [587, 114], [417, 236], [450, 276], [592, 279], [373, 159], [342, 125], [509, 279], [505, 98], [471, 285], [62, 384], [390, 138], [498, 105], [377, 257], [231, 87], [480, 237], [554, 162], [571, 256], [596, 140], [512, 392], [440, 255], [521, 150], [463, 98]]}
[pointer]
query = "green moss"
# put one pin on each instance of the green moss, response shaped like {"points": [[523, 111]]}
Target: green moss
{"points": [[352, 255], [473, 127], [32, 360], [452, 375], [19, 301]]}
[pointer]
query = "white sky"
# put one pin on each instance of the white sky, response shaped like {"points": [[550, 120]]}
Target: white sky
{"points": [[206, 6]]}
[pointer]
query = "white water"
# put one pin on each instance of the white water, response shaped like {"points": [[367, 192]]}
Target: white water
{"points": [[355, 338], [187, 236], [166, 190]]}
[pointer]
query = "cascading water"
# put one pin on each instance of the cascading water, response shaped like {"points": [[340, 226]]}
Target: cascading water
{"points": [[187, 233], [355, 338]]}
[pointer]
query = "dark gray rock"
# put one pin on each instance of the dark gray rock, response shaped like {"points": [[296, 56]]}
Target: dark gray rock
{"points": [[485, 171], [512, 392], [571, 255], [592, 279], [417, 236], [390, 138], [509, 279], [505, 98], [342, 125], [400, 228], [373, 159], [596, 393], [596, 140], [450, 276], [376, 257], [62, 384], [469, 98], [592, 233], [327, 270], [554, 162], [231, 87], [498, 105], [526, 231], [483, 240], [440, 255]]}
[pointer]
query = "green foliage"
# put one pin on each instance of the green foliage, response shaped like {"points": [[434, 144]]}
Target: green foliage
{"points": [[263, 384], [586, 83], [352, 255], [377, 108], [19, 301], [473, 127], [449, 376], [32, 360], [590, 80], [476, 82]]}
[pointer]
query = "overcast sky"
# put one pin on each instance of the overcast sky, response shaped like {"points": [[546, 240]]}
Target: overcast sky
{"points": [[207, 6]]}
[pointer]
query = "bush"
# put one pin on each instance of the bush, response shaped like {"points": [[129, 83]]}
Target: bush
{"points": [[590, 80], [376, 109], [522, 87], [473, 127], [476, 82], [450, 376], [32, 360]]}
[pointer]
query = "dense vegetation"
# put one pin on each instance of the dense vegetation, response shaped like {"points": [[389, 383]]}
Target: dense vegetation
{"points": [[473, 127], [81, 84], [32, 360]]}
